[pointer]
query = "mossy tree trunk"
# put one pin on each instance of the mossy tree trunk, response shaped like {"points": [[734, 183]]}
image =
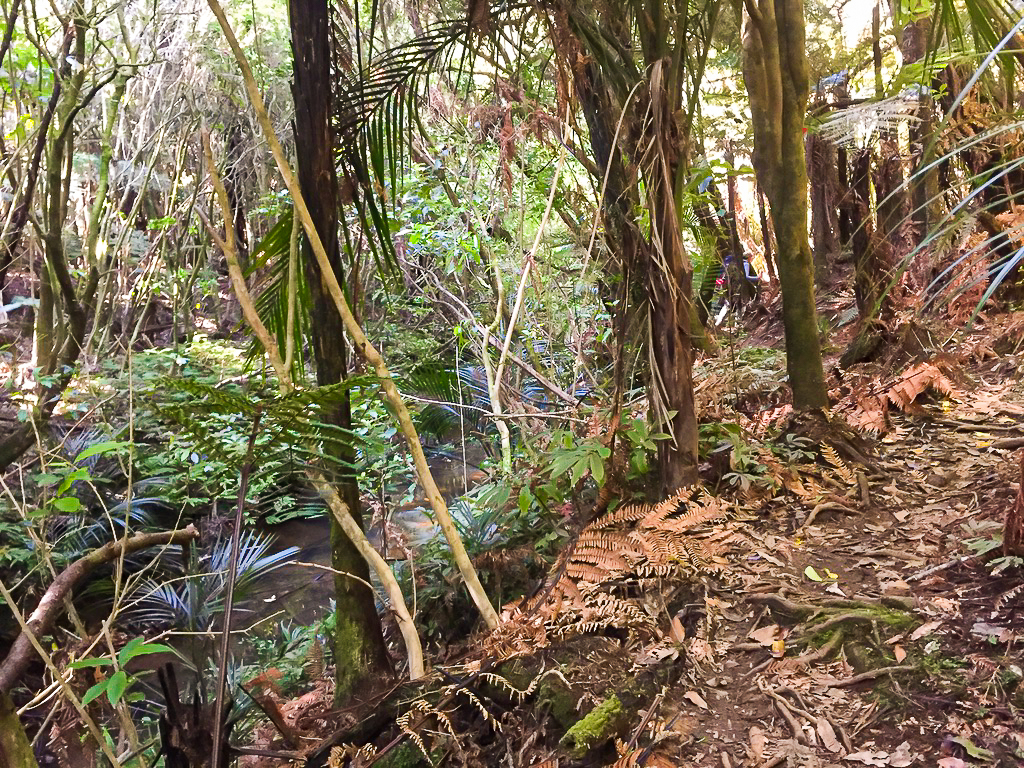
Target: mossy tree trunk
{"points": [[15, 748], [359, 649], [776, 76]]}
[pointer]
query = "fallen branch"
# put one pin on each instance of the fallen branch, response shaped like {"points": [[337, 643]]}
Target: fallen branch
{"points": [[1008, 443], [840, 619], [828, 506], [871, 674], [52, 601], [937, 568], [784, 605]]}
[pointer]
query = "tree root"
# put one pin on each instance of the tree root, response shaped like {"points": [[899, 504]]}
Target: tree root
{"points": [[871, 674], [828, 506]]}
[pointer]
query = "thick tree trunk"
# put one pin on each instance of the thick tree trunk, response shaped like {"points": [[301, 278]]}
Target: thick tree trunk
{"points": [[668, 288], [924, 184], [776, 78], [822, 171], [15, 748], [871, 267], [867, 280], [892, 202], [359, 644]]}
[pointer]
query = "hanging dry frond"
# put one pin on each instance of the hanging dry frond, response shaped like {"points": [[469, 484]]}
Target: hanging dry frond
{"points": [[475, 701], [859, 124], [351, 756], [404, 721]]}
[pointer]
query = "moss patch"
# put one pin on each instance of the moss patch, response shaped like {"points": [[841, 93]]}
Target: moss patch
{"points": [[604, 722]]}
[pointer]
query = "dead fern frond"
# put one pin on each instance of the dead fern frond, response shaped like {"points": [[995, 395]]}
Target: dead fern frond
{"points": [[1007, 596], [611, 566], [915, 381], [475, 701], [833, 458], [424, 710], [351, 755]]}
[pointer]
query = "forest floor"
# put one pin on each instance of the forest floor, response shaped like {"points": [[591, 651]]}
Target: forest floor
{"points": [[862, 630]]}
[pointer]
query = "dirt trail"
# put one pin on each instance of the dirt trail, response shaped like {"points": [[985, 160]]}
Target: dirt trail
{"points": [[869, 633]]}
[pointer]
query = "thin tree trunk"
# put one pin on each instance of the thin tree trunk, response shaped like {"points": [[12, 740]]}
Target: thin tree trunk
{"points": [[777, 81], [845, 200], [359, 649], [766, 233], [824, 185]]}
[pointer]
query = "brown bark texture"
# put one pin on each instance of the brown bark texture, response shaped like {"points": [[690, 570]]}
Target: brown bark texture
{"points": [[360, 649], [657, 263], [15, 748], [823, 176]]}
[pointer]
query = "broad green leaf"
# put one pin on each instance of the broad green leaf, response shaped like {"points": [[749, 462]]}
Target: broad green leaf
{"points": [[116, 687], [86, 663], [578, 469], [597, 469], [97, 449], [68, 504], [138, 647], [525, 499], [95, 691], [561, 463]]}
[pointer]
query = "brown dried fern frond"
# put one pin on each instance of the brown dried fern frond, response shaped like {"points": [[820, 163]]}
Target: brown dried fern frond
{"points": [[603, 578], [916, 380], [351, 755], [840, 466], [631, 513]]}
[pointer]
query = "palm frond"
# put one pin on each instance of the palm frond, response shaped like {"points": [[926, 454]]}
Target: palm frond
{"points": [[269, 264], [193, 600], [376, 114], [861, 124]]}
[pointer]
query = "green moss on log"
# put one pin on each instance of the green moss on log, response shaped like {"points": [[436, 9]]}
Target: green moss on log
{"points": [[604, 722]]}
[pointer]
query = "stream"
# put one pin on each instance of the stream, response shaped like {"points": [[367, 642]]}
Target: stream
{"points": [[302, 594]]}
